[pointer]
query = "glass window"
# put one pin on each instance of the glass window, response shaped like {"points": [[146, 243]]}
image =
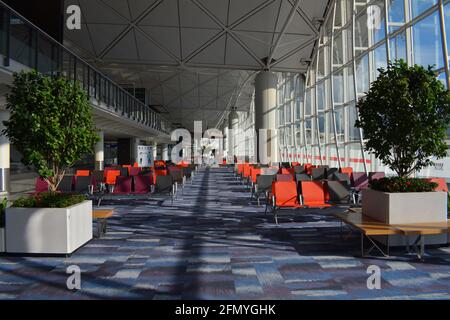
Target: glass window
{"points": [[350, 92], [361, 32], [340, 124], [321, 102], [338, 87], [329, 127], [308, 131], [362, 74], [419, 6], [308, 106], [427, 45], [396, 9], [321, 123], [298, 134], [337, 50], [353, 133], [378, 26], [379, 57], [397, 47]]}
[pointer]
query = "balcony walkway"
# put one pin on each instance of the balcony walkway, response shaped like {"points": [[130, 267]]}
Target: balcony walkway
{"points": [[213, 245]]}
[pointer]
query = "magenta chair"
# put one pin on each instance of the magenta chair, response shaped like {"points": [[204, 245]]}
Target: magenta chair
{"points": [[376, 175], [142, 184], [123, 185], [41, 185]]}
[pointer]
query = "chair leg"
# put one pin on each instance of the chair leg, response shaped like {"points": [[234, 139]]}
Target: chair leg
{"points": [[275, 216]]}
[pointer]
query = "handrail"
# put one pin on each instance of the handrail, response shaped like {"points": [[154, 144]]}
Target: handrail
{"points": [[98, 85]]}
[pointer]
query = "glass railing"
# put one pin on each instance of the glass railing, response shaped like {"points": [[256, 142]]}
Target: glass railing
{"points": [[26, 44]]}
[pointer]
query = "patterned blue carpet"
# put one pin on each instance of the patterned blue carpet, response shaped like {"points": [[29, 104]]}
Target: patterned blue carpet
{"points": [[213, 244]]}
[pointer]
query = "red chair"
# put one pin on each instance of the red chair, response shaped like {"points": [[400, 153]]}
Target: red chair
{"points": [[134, 171], [295, 164], [41, 185], [313, 194], [442, 184], [110, 176], [142, 184], [284, 195], [82, 173], [135, 165], [123, 185]]}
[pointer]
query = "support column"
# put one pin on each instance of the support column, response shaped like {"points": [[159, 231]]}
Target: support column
{"points": [[155, 150], [225, 138], [135, 142], [165, 152], [266, 117], [100, 151], [233, 123], [4, 157]]}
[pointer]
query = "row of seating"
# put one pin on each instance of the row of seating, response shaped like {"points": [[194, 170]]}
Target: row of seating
{"points": [[98, 184], [301, 186]]}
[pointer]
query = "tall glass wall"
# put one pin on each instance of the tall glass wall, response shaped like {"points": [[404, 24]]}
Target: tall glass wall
{"points": [[357, 38]]}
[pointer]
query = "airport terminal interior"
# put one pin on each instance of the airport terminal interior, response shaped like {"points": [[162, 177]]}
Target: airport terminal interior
{"points": [[228, 163]]}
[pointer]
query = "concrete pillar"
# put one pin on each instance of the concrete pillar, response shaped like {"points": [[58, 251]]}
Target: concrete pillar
{"points": [[233, 123], [165, 152], [266, 116], [4, 156], [155, 150], [225, 138], [135, 142], [100, 151]]}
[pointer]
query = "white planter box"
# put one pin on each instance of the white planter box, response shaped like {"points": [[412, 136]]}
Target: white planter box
{"points": [[2, 240], [405, 208], [48, 230]]}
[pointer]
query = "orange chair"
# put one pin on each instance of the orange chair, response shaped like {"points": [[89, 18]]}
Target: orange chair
{"points": [[82, 173], [442, 184], [254, 172], [158, 173], [294, 164], [246, 171], [110, 176], [347, 170], [284, 195], [183, 164], [159, 163], [135, 165], [290, 171], [240, 169], [313, 194]]}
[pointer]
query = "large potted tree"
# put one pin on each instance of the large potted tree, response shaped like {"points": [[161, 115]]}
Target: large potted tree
{"points": [[404, 117], [51, 125]]}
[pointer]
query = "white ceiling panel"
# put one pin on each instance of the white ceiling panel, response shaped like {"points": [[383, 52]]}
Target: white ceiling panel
{"points": [[192, 54]]}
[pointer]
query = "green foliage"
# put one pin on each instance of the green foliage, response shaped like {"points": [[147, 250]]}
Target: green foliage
{"points": [[405, 116], [50, 124], [399, 184], [3, 205], [48, 200]]}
